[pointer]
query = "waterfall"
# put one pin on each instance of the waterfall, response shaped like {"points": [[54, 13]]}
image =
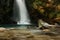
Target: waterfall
{"points": [[21, 10]]}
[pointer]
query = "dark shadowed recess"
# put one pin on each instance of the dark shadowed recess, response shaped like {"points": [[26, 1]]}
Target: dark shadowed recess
{"points": [[6, 12]]}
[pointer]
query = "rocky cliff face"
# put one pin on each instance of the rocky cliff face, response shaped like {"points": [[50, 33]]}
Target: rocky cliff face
{"points": [[46, 10], [38, 9]]}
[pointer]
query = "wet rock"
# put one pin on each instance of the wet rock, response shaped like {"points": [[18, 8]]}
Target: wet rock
{"points": [[5, 34], [2, 29], [25, 35]]}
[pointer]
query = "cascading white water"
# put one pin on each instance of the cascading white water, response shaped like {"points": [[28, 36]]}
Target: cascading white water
{"points": [[22, 12]]}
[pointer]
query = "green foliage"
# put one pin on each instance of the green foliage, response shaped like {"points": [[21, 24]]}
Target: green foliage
{"points": [[49, 8]]}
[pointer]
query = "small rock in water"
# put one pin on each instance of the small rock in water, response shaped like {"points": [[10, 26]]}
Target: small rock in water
{"points": [[2, 29], [12, 28], [47, 30]]}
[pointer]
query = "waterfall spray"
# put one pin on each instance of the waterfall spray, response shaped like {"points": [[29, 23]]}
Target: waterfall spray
{"points": [[22, 12]]}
